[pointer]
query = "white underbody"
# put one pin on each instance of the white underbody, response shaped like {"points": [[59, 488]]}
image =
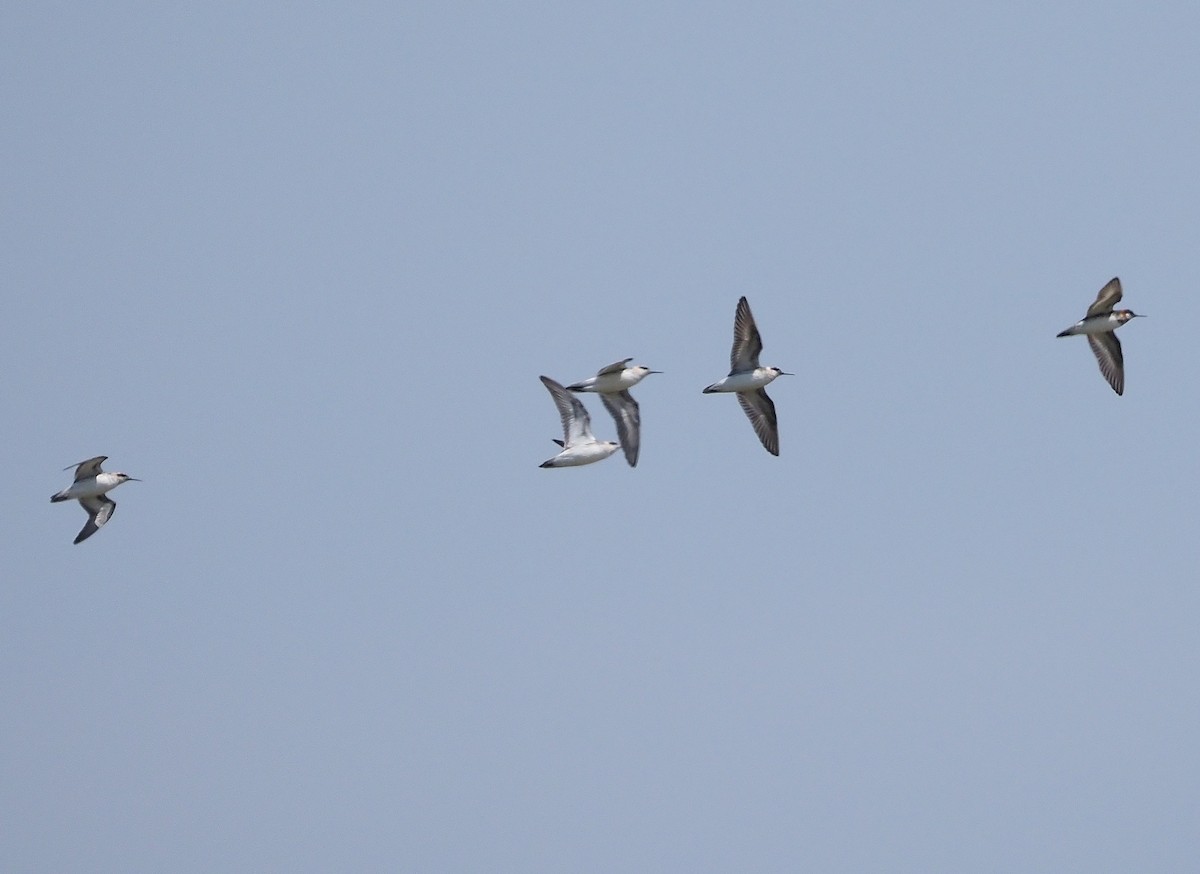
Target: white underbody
{"points": [[608, 383], [585, 453], [1095, 326], [749, 380], [91, 487]]}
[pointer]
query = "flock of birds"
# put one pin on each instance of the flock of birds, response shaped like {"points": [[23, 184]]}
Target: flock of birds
{"points": [[747, 379]]}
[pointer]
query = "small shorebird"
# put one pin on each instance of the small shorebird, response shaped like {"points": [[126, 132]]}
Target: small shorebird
{"points": [[1100, 325], [749, 380], [579, 446], [89, 489], [613, 384]]}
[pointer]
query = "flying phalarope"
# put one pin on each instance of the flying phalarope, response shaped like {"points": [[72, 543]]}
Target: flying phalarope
{"points": [[749, 380], [579, 446], [612, 383], [89, 489], [1100, 325]]}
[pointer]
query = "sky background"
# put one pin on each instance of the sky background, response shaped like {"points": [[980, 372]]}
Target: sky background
{"points": [[299, 269]]}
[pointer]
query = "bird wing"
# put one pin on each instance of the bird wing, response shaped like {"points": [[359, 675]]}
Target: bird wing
{"points": [[760, 410], [577, 425], [100, 509], [625, 412], [615, 367], [87, 469], [747, 342], [1107, 349], [1108, 298]]}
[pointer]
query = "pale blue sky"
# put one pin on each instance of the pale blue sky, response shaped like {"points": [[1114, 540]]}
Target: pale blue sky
{"points": [[300, 268]]}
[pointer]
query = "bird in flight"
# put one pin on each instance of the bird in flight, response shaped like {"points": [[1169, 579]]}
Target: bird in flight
{"points": [[612, 383], [1100, 325], [749, 380], [578, 444], [89, 489]]}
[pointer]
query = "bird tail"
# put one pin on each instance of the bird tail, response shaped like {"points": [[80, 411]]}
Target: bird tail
{"points": [[560, 443], [61, 496], [710, 390], [549, 463]]}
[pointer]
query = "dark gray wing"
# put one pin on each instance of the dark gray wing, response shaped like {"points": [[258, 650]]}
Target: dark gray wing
{"points": [[100, 509], [760, 410], [576, 423], [747, 342], [1107, 349], [87, 469], [1108, 298], [615, 367], [625, 412]]}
